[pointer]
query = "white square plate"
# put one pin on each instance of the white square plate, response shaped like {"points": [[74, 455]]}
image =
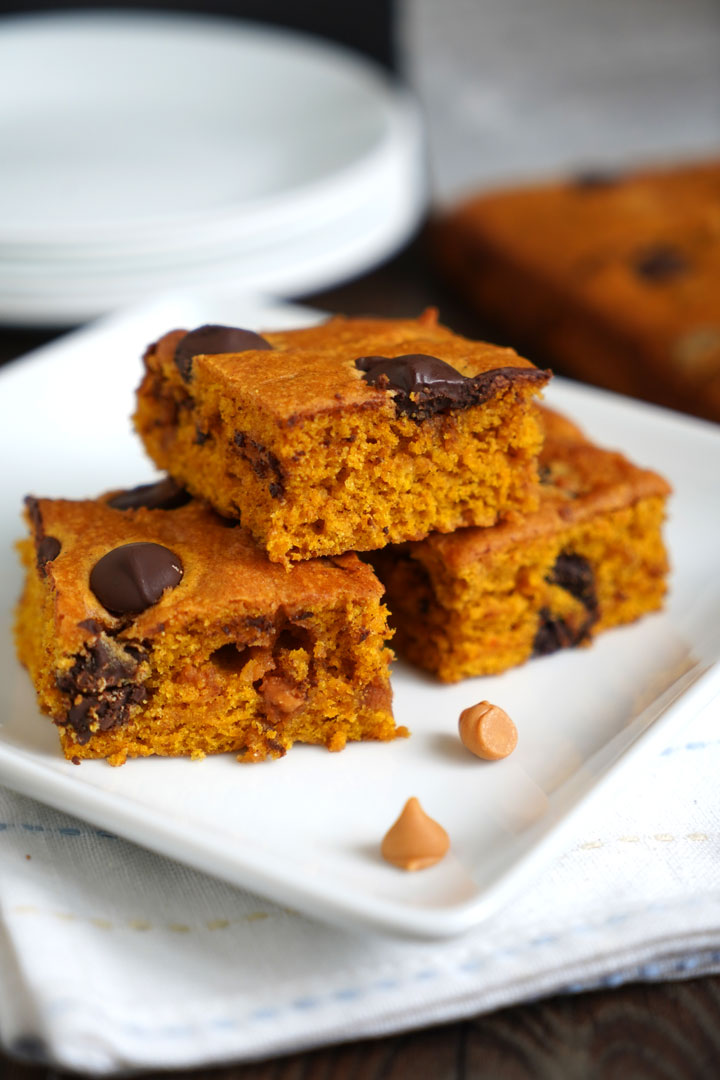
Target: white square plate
{"points": [[305, 830]]}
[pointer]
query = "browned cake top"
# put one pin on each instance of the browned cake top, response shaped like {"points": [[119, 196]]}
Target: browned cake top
{"points": [[578, 481], [211, 567], [643, 248], [297, 373]]}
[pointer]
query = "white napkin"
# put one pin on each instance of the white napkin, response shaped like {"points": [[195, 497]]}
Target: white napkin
{"points": [[113, 958]]}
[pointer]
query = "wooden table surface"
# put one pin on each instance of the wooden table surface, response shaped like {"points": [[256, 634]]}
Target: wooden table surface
{"points": [[667, 1031]]}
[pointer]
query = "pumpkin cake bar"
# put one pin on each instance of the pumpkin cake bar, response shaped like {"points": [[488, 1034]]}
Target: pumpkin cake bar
{"points": [[345, 436], [612, 277], [591, 557], [151, 630]]}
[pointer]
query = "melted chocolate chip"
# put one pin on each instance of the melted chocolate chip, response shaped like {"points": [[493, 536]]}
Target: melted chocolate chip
{"points": [[661, 263], [33, 509], [102, 685], [47, 549], [553, 633], [163, 495], [574, 574], [102, 713], [104, 663], [133, 577], [212, 340], [410, 373], [425, 385]]}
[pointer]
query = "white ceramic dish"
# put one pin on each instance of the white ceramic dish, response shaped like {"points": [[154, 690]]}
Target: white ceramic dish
{"points": [[158, 151], [305, 830]]}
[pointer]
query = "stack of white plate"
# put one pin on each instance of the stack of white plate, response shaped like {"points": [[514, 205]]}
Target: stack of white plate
{"points": [[146, 153]]}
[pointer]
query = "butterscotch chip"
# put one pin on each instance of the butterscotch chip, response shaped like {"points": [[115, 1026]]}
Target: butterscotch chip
{"points": [[415, 841], [487, 731]]}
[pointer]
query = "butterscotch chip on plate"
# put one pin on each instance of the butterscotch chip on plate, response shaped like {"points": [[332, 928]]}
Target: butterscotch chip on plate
{"points": [[345, 436], [487, 731], [591, 557], [167, 631], [416, 840]]}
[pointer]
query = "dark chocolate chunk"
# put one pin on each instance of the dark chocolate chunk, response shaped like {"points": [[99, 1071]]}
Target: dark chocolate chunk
{"points": [[102, 685], [661, 263], [162, 495], [425, 385], [104, 663], [553, 633], [47, 549], [410, 373], [276, 747], [212, 340], [103, 712], [201, 437], [133, 577], [574, 574]]}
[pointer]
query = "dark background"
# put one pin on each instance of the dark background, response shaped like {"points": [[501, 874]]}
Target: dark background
{"points": [[367, 26]]}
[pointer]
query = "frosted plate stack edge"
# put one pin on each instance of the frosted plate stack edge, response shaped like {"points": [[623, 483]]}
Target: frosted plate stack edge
{"points": [[161, 152]]}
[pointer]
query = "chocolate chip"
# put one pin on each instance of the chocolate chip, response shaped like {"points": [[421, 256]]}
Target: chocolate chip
{"points": [[410, 373], [212, 340], [133, 577], [552, 634], [103, 684], [47, 549], [162, 495], [661, 263], [595, 178], [425, 385], [103, 712], [575, 574], [33, 509], [544, 474]]}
